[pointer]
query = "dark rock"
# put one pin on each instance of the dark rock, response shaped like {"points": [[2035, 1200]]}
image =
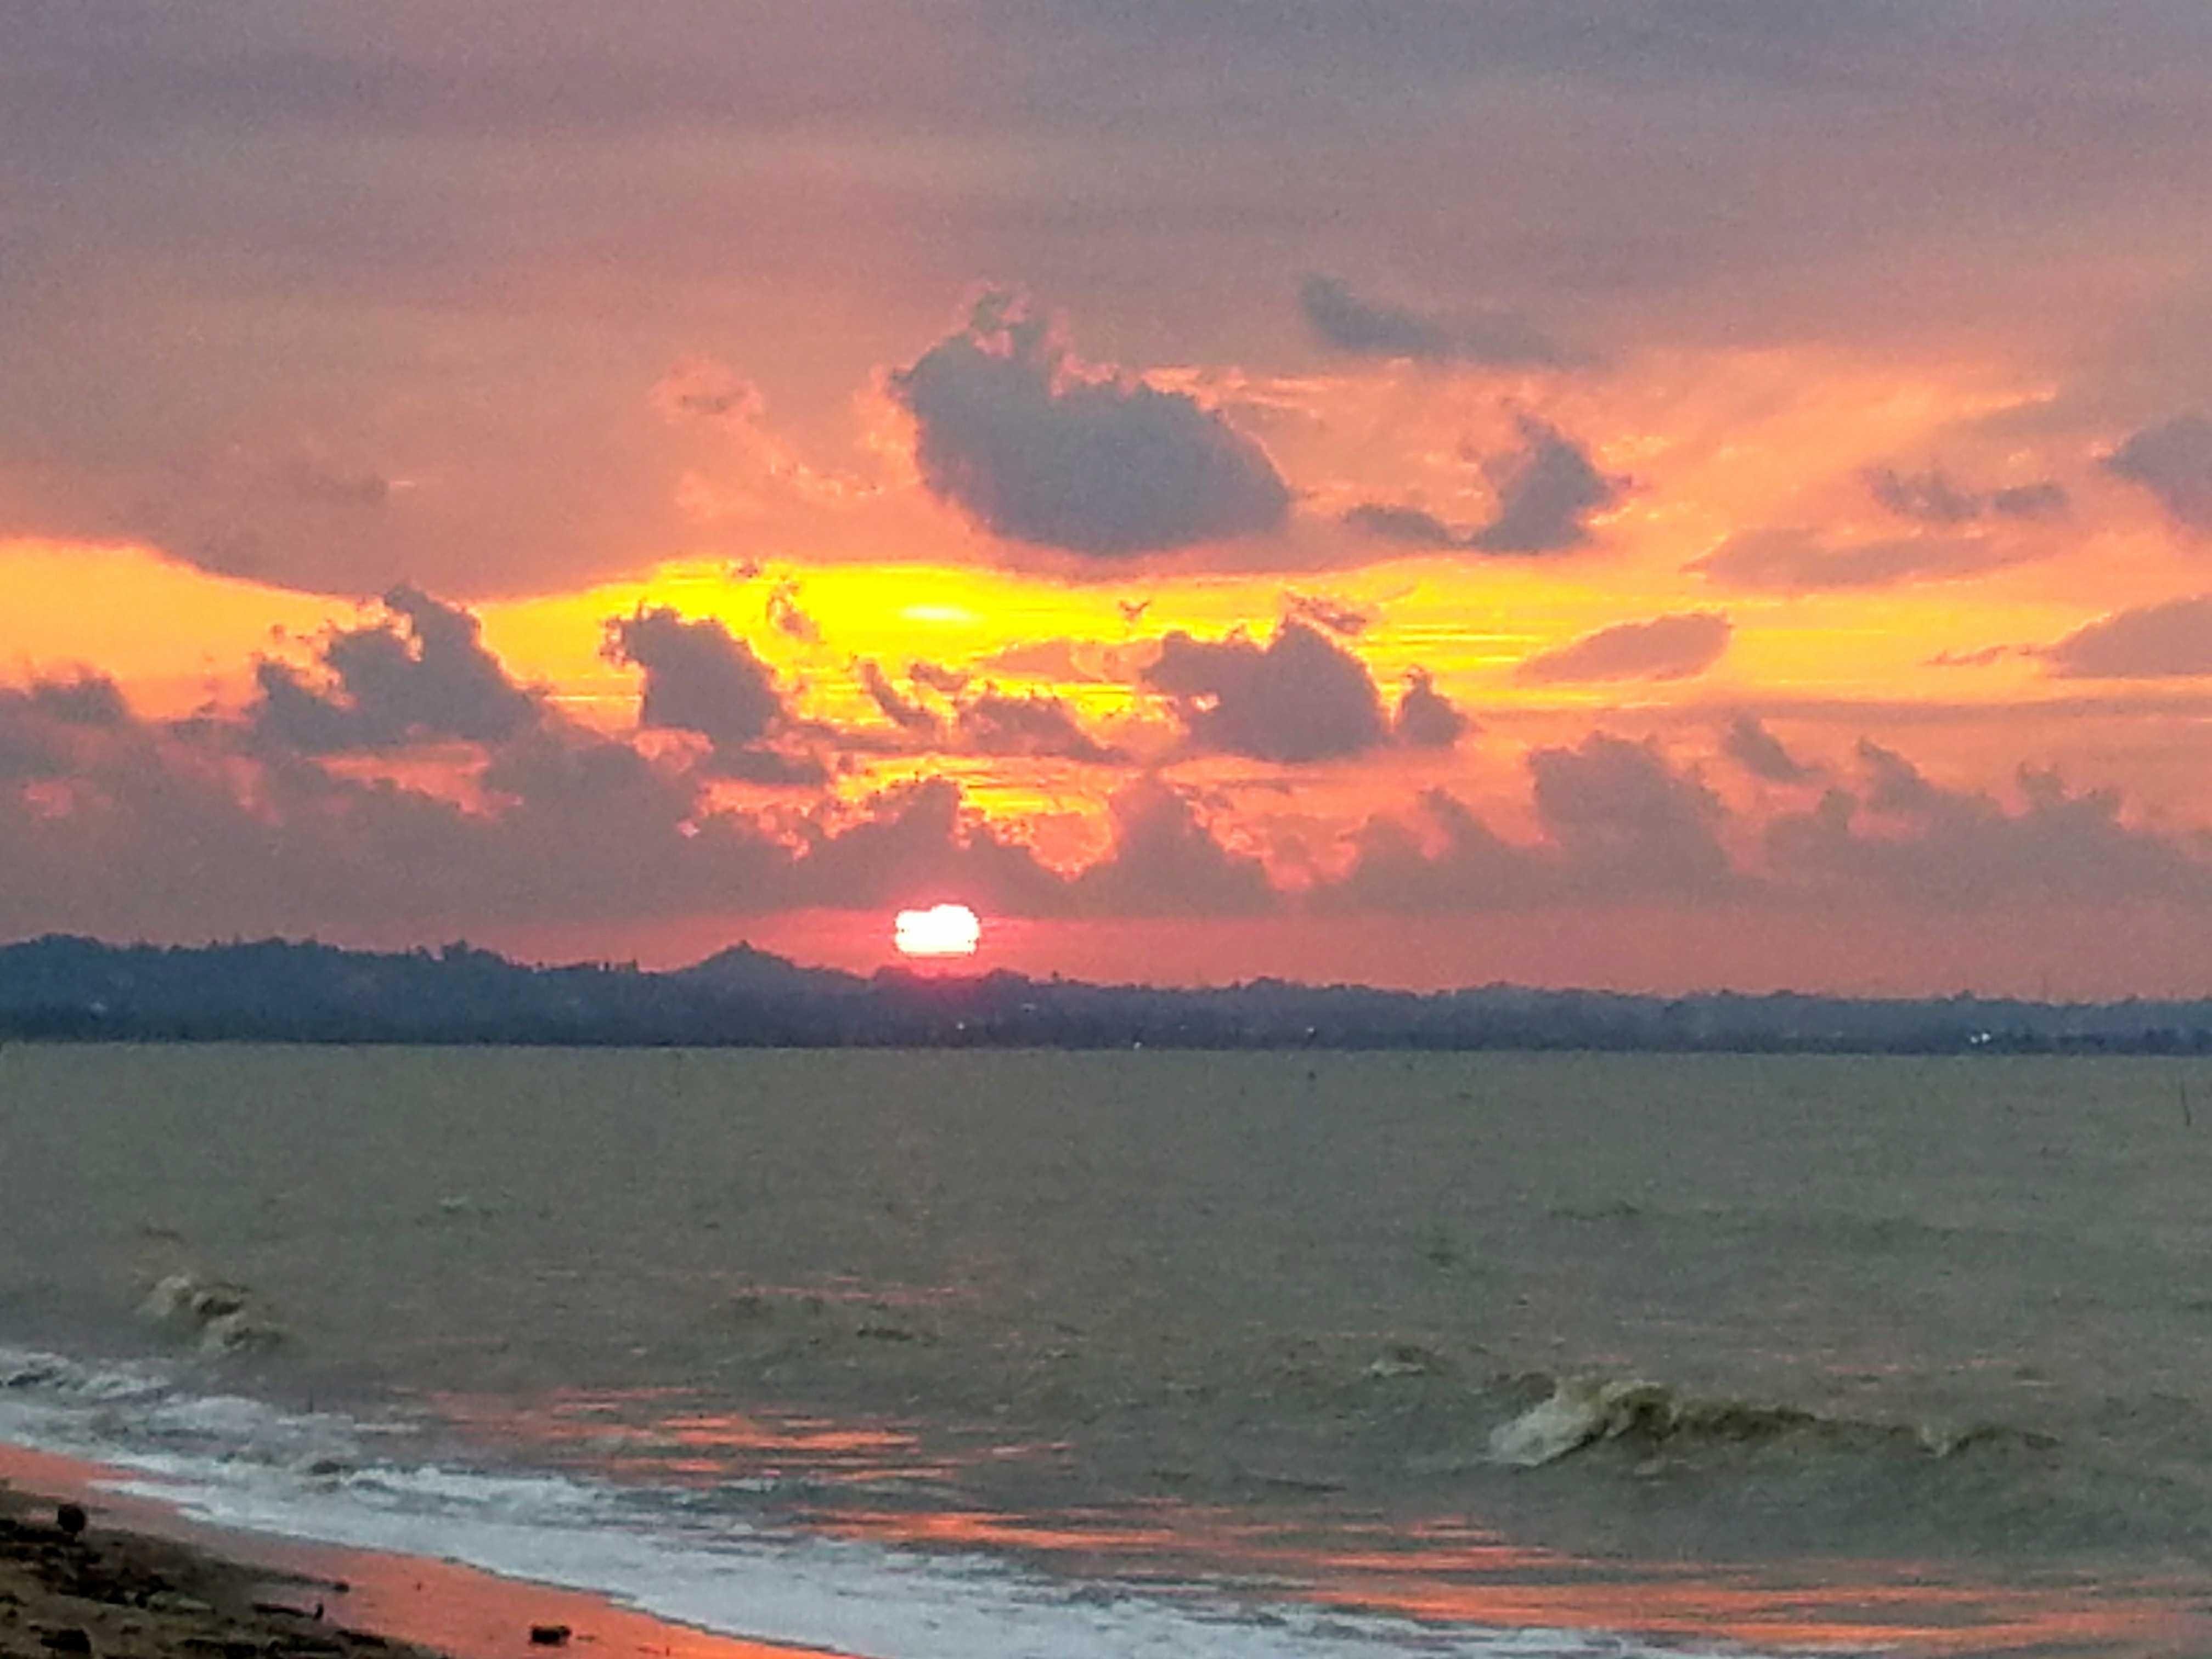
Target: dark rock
{"points": [[68, 1639], [70, 1518], [547, 1636]]}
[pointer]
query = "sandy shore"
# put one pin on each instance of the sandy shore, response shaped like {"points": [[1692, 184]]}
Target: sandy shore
{"points": [[141, 1582], [94, 1591]]}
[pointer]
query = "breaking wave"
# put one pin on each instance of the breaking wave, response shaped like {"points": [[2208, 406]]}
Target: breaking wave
{"points": [[1582, 1412]]}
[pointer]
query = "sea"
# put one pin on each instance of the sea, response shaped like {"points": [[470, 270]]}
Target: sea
{"points": [[981, 1355]]}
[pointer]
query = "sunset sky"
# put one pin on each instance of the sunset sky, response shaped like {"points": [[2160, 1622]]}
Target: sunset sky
{"points": [[1684, 494]]}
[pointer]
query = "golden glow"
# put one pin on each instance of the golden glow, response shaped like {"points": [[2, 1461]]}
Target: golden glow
{"points": [[942, 930]]}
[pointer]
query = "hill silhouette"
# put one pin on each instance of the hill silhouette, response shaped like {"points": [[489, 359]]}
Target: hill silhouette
{"points": [[60, 988]]}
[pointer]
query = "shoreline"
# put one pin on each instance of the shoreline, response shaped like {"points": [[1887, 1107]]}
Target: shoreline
{"points": [[144, 1581], [147, 1581]]}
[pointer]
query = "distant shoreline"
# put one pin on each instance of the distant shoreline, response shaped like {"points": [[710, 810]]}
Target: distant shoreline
{"points": [[63, 989]]}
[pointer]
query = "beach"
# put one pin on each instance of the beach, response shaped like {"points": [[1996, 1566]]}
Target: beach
{"points": [[141, 1582]]}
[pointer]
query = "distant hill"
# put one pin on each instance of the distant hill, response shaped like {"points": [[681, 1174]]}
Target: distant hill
{"points": [[280, 991]]}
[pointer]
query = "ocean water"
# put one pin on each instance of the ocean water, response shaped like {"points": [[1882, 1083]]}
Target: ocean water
{"points": [[911, 1355]]}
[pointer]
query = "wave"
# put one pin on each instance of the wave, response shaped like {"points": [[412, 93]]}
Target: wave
{"points": [[1582, 1412], [327, 1477], [221, 1318]]}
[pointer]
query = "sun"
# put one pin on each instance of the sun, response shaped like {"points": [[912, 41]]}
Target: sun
{"points": [[942, 930]]}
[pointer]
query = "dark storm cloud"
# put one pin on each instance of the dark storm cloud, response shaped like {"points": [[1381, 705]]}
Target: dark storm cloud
{"points": [[1935, 846], [1760, 752], [1038, 449], [1547, 490], [2152, 642], [1297, 698], [1672, 648], [698, 678], [1372, 328], [2173, 461], [1802, 561], [1426, 719], [421, 675], [1932, 498]]}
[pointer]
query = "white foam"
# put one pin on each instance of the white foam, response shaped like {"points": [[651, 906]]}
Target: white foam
{"points": [[234, 1462]]}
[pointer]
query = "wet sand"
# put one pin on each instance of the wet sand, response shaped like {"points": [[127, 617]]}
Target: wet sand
{"points": [[143, 1583]]}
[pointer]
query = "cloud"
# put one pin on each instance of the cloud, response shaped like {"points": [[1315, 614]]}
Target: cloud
{"points": [[988, 722], [1370, 328], [993, 722], [1346, 620], [81, 698], [1793, 561], [1166, 861], [1082, 661], [1618, 822], [1932, 498], [902, 711], [1964, 849], [1296, 699], [784, 615], [1471, 868], [220, 838], [919, 842], [2173, 461], [1547, 490], [1410, 525], [43, 725], [1038, 448], [946, 682], [1760, 752], [420, 675], [699, 678], [1426, 719], [1625, 821], [1671, 648], [2154, 641], [2044, 499], [1981, 657]]}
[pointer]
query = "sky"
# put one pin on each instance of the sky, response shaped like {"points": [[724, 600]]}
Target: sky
{"points": [[1696, 494]]}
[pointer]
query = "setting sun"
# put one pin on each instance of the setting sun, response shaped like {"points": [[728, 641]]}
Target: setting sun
{"points": [[942, 930]]}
